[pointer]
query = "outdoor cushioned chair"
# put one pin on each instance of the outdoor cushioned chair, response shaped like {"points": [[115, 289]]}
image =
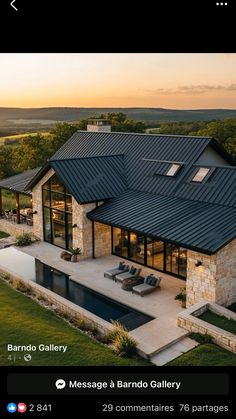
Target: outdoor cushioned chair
{"points": [[121, 268], [150, 283], [133, 273]]}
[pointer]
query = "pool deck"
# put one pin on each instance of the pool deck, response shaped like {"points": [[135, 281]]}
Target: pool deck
{"points": [[153, 336]]}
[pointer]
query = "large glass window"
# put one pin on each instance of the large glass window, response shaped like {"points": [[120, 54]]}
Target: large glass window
{"points": [[137, 248], [176, 260], [155, 254], [147, 251], [57, 210], [120, 242]]}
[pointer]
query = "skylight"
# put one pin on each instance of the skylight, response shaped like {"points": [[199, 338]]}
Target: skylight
{"points": [[201, 174], [173, 169]]}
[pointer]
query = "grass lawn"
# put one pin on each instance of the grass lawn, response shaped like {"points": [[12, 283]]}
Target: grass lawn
{"points": [[219, 321], [9, 200], [204, 355], [24, 322], [3, 235]]}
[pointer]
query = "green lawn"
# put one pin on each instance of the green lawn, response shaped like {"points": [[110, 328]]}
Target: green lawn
{"points": [[219, 321], [204, 355], [3, 235], [23, 322]]}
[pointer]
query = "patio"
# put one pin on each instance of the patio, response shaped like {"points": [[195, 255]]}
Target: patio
{"points": [[152, 337]]}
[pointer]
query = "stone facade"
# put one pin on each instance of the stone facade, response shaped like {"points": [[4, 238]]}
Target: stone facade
{"points": [[82, 234], [188, 320], [102, 239], [215, 279], [15, 229], [37, 205]]}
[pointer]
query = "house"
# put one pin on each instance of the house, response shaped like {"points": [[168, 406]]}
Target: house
{"points": [[163, 201]]}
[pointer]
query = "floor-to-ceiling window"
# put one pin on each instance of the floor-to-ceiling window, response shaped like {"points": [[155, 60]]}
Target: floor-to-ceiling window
{"points": [[57, 213], [155, 254], [120, 242], [147, 251]]}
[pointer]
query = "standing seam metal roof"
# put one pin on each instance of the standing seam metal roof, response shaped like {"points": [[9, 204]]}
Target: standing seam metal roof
{"points": [[195, 225], [18, 183]]}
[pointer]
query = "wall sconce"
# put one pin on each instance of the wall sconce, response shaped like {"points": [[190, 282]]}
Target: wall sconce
{"points": [[74, 226], [35, 212], [198, 263]]}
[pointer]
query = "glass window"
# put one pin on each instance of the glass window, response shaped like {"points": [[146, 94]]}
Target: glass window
{"points": [[200, 175], [69, 203], [46, 197], [183, 262], [155, 254], [136, 247], [120, 242], [58, 228], [47, 224], [176, 260], [57, 214], [56, 184], [58, 201], [173, 169]]}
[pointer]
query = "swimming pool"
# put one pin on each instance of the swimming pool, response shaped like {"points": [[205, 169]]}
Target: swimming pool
{"points": [[108, 309]]}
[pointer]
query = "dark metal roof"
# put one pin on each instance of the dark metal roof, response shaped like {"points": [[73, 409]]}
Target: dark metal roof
{"points": [[92, 179], [195, 225], [140, 174], [220, 188], [18, 183]]}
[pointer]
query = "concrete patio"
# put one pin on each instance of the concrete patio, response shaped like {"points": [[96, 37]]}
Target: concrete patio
{"points": [[153, 336]]}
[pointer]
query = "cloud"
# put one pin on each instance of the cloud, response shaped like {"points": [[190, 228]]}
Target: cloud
{"points": [[193, 89]]}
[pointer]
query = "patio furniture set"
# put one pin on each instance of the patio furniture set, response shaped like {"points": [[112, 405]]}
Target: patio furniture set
{"points": [[131, 280], [25, 215]]}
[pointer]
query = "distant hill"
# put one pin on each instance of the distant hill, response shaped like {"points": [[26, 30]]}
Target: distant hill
{"points": [[149, 115]]}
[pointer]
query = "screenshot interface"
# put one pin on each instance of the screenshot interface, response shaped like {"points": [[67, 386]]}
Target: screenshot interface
{"points": [[117, 210]]}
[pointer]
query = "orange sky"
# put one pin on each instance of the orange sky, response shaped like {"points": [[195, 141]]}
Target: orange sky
{"points": [[118, 80]]}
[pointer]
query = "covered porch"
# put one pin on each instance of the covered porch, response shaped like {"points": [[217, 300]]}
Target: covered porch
{"points": [[153, 336], [15, 200]]}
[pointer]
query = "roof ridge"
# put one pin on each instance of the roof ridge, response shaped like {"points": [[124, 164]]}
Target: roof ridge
{"points": [[147, 134]]}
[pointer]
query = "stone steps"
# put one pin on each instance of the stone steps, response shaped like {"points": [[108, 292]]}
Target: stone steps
{"points": [[173, 351]]}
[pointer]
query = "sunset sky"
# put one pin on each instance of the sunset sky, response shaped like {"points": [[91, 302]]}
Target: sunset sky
{"points": [[179, 81]]}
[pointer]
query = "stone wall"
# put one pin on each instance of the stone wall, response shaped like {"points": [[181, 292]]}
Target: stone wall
{"points": [[37, 205], [226, 274], [215, 279], [102, 239], [15, 229], [82, 234], [188, 320]]}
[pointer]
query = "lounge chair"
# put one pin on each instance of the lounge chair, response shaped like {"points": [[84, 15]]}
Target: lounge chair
{"points": [[121, 268], [150, 283], [132, 273]]}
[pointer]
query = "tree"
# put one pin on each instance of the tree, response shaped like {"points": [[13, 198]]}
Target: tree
{"points": [[6, 167], [32, 152]]}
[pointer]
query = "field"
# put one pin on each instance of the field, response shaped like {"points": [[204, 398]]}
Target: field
{"points": [[25, 322], [14, 139]]}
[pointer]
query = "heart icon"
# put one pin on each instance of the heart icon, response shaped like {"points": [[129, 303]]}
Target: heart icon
{"points": [[21, 407]]}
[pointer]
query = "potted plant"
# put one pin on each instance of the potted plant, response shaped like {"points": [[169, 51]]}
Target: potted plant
{"points": [[181, 297], [75, 253]]}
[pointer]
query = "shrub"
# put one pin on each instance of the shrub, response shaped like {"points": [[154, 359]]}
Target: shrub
{"points": [[23, 239], [124, 345], [201, 338], [20, 286]]}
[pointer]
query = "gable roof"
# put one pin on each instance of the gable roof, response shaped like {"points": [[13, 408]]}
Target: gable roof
{"points": [[195, 225], [18, 183], [92, 179]]}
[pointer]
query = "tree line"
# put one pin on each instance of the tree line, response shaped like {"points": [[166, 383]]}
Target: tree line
{"points": [[34, 151]]}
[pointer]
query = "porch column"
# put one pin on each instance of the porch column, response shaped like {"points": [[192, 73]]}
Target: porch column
{"points": [[0, 201], [18, 207], [93, 241]]}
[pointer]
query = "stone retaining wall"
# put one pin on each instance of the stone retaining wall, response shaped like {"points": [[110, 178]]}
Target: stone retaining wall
{"points": [[188, 320], [15, 229]]}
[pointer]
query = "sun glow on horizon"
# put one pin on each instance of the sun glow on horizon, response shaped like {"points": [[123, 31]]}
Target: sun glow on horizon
{"points": [[178, 81]]}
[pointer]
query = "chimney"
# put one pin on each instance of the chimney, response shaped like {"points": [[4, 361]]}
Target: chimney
{"points": [[99, 125]]}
